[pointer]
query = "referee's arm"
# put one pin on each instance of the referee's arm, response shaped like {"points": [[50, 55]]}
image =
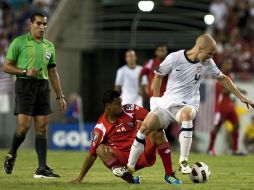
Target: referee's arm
{"points": [[10, 68], [54, 79]]}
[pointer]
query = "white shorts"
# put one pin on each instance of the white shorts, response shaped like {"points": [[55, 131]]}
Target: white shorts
{"points": [[168, 115], [5, 103]]}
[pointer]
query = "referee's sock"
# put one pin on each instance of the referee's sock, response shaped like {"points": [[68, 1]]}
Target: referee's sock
{"points": [[41, 150], [136, 149], [16, 142]]}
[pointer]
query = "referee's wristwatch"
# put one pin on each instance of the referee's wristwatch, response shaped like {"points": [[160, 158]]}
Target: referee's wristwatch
{"points": [[24, 72]]}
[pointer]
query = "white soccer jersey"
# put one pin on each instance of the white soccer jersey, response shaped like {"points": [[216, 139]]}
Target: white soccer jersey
{"points": [[127, 78], [184, 79]]}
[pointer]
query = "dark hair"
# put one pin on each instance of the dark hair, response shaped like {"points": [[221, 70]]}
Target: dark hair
{"points": [[109, 96], [35, 14], [161, 45]]}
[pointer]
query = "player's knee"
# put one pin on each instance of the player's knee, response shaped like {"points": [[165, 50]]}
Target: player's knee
{"points": [[187, 114], [22, 129], [41, 129], [103, 151], [150, 124]]}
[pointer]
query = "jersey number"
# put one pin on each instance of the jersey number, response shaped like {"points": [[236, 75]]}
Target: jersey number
{"points": [[197, 77]]}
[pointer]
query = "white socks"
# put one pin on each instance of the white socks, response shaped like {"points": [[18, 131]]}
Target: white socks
{"points": [[185, 139], [136, 149]]}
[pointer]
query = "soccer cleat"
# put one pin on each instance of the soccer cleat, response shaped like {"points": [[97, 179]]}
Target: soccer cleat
{"points": [[136, 180], [45, 173], [49, 168], [120, 171], [211, 152], [184, 168], [9, 163], [124, 173], [239, 153], [172, 179]]}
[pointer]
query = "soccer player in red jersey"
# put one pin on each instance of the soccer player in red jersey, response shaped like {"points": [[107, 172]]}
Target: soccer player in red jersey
{"points": [[113, 136], [149, 67], [225, 109]]}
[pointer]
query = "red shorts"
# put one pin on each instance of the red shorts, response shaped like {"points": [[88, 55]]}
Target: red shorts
{"points": [[146, 159], [228, 111]]}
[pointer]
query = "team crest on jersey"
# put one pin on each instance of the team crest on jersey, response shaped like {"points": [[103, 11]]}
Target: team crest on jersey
{"points": [[130, 124], [199, 68], [129, 107], [48, 54]]}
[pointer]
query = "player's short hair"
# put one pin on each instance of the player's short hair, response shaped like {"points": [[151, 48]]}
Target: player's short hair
{"points": [[35, 14], [161, 45], [109, 96]]}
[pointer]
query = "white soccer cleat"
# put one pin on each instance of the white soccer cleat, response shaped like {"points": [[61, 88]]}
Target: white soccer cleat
{"points": [[120, 171], [184, 168]]}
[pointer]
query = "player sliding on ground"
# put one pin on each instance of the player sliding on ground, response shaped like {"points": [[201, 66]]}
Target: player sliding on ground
{"points": [[180, 102], [113, 136]]}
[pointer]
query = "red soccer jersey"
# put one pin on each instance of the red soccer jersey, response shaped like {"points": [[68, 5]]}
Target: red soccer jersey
{"points": [[148, 70], [122, 132], [222, 97]]}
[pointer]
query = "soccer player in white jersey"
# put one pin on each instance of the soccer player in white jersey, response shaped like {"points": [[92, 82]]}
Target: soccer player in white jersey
{"points": [[180, 102], [127, 80]]}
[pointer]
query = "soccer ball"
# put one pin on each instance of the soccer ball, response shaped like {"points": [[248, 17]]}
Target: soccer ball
{"points": [[200, 172]]}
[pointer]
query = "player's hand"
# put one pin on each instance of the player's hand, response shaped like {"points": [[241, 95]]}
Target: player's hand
{"points": [[76, 181], [62, 104], [247, 102], [31, 72]]}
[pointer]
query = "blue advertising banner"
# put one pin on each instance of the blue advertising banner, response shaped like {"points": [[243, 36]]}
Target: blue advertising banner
{"points": [[70, 136]]}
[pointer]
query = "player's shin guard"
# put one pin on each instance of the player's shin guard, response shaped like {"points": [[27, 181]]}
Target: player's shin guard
{"points": [[165, 154], [136, 149], [185, 139]]}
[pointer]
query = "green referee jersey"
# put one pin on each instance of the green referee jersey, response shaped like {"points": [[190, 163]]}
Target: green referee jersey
{"points": [[28, 54]]}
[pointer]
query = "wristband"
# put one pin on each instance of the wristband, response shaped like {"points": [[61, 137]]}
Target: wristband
{"points": [[60, 97]]}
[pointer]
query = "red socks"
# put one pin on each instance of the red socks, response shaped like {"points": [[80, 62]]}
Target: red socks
{"points": [[165, 154]]}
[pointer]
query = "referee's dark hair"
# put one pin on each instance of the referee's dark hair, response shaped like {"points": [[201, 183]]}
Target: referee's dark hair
{"points": [[109, 96], [35, 14]]}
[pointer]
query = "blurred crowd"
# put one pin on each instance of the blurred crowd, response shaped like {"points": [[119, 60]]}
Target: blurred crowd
{"points": [[14, 18], [233, 30]]}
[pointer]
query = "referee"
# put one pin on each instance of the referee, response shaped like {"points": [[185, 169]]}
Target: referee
{"points": [[32, 59]]}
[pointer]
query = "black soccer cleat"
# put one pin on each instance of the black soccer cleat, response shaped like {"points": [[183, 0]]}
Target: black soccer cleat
{"points": [[9, 163], [45, 173]]}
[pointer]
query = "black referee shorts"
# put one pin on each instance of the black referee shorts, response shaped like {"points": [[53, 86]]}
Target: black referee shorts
{"points": [[32, 97]]}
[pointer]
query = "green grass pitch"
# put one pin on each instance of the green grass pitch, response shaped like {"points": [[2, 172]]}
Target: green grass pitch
{"points": [[227, 172]]}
